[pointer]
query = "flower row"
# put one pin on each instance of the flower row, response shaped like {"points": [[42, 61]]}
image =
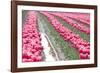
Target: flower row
{"points": [[73, 23], [81, 45], [32, 48], [81, 17]]}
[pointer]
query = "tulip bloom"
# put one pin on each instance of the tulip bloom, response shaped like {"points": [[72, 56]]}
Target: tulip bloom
{"points": [[32, 47], [81, 45]]}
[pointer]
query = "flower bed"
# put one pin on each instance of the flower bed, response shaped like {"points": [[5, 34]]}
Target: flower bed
{"points": [[73, 23], [81, 45], [31, 39], [80, 17]]}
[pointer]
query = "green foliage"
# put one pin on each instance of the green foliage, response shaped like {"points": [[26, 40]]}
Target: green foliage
{"points": [[69, 52], [76, 31]]}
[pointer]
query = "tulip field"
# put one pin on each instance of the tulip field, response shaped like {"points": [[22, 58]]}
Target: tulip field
{"points": [[55, 36]]}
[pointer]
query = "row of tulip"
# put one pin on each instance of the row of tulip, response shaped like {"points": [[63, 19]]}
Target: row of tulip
{"points": [[81, 45], [80, 17], [72, 22], [32, 48]]}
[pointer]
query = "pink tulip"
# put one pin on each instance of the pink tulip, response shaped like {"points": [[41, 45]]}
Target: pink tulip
{"points": [[32, 47], [77, 42], [71, 22]]}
